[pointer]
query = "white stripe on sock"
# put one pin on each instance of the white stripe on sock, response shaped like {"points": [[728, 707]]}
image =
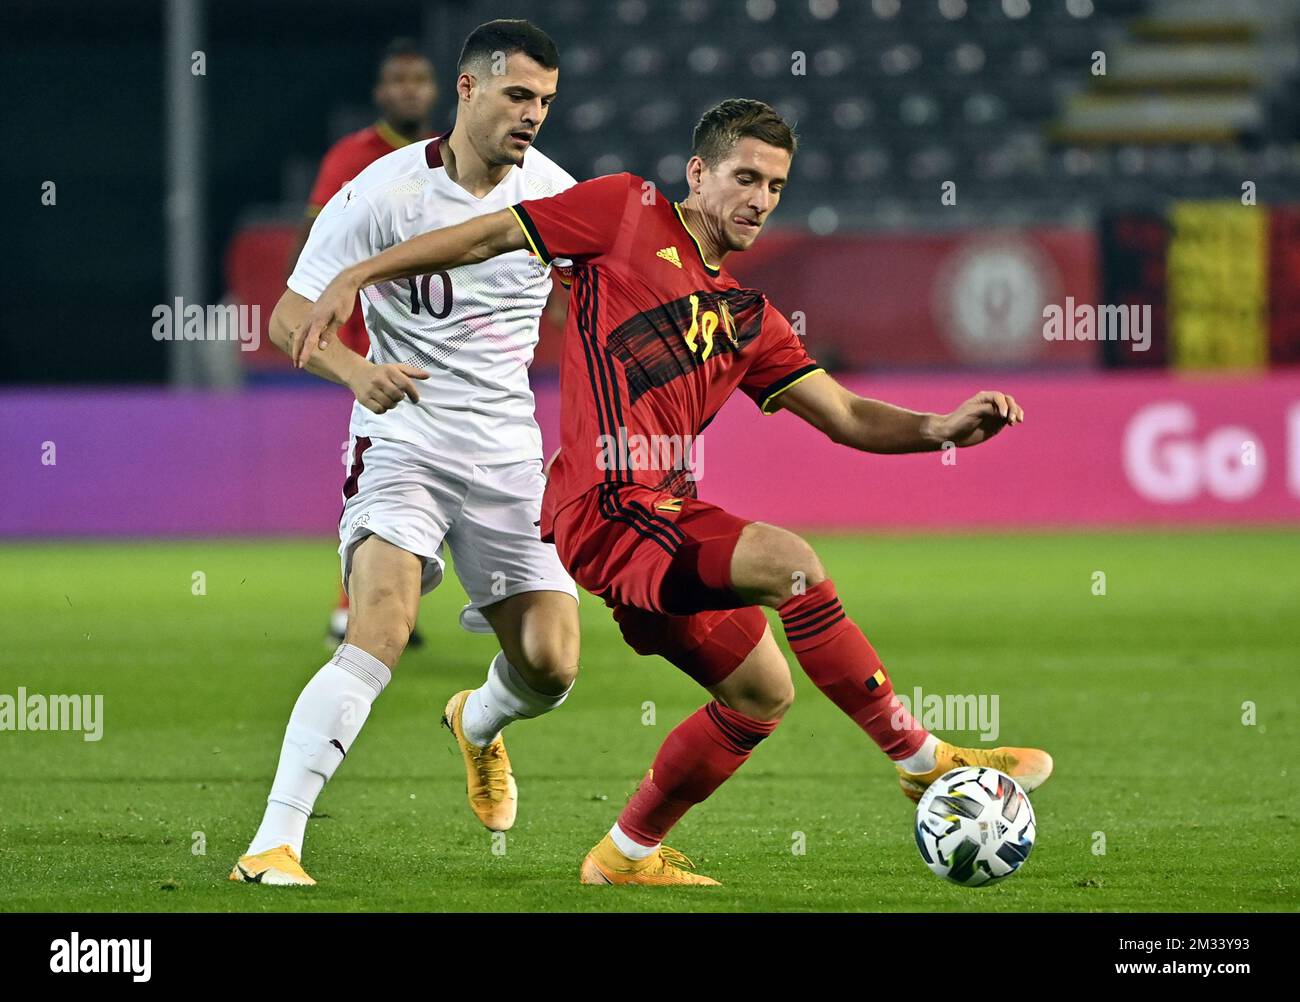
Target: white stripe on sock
{"points": [[630, 849], [923, 760]]}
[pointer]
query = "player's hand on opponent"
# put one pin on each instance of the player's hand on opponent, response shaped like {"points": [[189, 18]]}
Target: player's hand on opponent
{"points": [[380, 388], [330, 312], [980, 418]]}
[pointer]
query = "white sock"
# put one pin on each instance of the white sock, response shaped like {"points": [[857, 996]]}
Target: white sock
{"points": [[504, 697], [923, 760], [630, 849], [322, 728]]}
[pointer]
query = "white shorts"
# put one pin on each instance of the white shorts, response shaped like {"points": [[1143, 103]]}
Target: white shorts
{"points": [[487, 514]]}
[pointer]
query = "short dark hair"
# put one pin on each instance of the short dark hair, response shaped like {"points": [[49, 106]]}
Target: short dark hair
{"points": [[737, 118], [508, 36], [401, 48]]}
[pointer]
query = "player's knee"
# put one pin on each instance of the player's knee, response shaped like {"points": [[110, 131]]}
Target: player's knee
{"points": [[387, 645], [380, 630], [808, 567], [777, 700], [548, 659], [767, 704], [765, 700], [784, 564], [552, 669]]}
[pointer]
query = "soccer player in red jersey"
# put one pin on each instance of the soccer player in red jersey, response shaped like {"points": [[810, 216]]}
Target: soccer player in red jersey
{"points": [[404, 95], [659, 335]]}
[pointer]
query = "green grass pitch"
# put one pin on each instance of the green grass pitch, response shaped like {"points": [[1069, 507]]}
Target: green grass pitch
{"points": [[1138, 694]]}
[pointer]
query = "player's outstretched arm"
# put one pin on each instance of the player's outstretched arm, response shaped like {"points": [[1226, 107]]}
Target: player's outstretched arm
{"points": [[469, 242], [876, 426], [378, 387]]}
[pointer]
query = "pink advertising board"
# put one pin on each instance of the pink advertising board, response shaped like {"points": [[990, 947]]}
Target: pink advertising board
{"points": [[1095, 450]]}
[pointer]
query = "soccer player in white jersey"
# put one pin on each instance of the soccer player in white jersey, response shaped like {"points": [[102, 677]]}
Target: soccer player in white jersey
{"points": [[444, 444]]}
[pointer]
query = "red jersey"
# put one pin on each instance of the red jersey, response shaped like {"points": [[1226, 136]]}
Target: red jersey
{"points": [[345, 160], [349, 157], [656, 339]]}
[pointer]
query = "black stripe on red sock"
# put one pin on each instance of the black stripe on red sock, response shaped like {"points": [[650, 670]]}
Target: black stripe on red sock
{"points": [[796, 618], [795, 638], [745, 741]]}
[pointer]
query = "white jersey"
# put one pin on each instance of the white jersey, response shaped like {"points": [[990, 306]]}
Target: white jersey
{"points": [[473, 328]]}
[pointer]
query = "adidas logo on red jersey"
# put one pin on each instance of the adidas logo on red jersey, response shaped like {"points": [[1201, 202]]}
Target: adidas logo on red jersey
{"points": [[669, 254]]}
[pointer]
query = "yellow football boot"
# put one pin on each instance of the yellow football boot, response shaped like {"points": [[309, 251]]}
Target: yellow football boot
{"points": [[1029, 767], [606, 865], [278, 867], [493, 795]]}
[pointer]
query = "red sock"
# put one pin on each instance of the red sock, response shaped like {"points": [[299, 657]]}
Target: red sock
{"points": [[343, 599], [837, 657], [694, 760]]}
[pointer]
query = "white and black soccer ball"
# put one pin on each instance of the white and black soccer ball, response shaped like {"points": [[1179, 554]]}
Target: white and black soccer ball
{"points": [[974, 826]]}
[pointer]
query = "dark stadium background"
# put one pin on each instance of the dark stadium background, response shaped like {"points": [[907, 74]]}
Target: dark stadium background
{"points": [[1121, 569], [892, 104]]}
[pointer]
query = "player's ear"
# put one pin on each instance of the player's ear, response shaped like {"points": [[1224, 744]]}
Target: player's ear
{"points": [[465, 86], [694, 172]]}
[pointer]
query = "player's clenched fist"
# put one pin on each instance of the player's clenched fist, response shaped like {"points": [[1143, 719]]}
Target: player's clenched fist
{"points": [[980, 418], [380, 388]]}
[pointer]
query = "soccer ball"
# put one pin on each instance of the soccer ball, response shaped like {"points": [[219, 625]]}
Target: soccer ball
{"points": [[974, 826]]}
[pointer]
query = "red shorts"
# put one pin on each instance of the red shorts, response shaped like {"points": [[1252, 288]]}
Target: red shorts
{"points": [[662, 563], [707, 646]]}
